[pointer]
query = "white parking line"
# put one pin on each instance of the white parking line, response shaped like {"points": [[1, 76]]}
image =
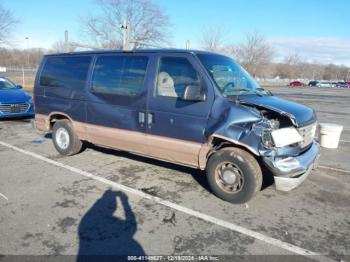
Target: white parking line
{"points": [[272, 241], [2, 195], [335, 169]]}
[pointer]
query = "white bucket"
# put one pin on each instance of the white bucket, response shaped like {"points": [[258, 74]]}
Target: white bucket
{"points": [[330, 135]]}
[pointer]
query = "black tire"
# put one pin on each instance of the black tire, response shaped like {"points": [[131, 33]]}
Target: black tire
{"points": [[74, 146], [247, 175]]}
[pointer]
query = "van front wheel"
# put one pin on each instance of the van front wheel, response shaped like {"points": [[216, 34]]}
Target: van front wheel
{"points": [[65, 139], [234, 175]]}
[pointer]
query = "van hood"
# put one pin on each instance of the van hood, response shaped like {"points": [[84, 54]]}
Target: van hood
{"points": [[299, 114], [13, 96]]}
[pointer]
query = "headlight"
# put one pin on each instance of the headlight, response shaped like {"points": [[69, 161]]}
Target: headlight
{"points": [[286, 136], [267, 138], [273, 124], [270, 125]]}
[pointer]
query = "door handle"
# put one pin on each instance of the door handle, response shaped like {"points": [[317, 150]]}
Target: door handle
{"points": [[149, 119], [141, 118]]}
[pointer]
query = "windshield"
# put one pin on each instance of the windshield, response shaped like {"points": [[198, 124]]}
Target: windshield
{"points": [[6, 84], [230, 78]]}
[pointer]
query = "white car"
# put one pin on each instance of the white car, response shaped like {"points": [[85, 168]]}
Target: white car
{"points": [[325, 84]]}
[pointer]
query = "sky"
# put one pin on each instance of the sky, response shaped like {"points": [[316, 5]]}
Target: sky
{"points": [[318, 30]]}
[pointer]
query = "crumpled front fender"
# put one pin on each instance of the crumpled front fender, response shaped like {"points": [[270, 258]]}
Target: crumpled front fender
{"points": [[239, 125]]}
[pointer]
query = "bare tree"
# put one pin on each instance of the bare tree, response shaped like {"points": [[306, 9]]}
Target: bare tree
{"points": [[292, 67], [148, 23], [213, 39], [18, 57], [254, 54], [61, 46], [334, 72], [7, 24]]}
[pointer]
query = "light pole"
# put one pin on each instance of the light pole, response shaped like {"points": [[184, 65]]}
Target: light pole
{"points": [[66, 41], [126, 35], [27, 42], [188, 44]]}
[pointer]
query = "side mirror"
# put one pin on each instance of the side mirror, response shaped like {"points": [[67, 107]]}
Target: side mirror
{"points": [[194, 93], [19, 87]]}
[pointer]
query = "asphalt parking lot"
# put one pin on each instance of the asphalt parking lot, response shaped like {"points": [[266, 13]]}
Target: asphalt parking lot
{"points": [[108, 202]]}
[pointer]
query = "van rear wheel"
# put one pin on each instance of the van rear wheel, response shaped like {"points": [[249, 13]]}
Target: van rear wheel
{"points": [[65, 139], [234, 175]]}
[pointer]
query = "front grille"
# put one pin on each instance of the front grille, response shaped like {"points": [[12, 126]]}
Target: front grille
{"points": [[13, 108], [308, 134]]}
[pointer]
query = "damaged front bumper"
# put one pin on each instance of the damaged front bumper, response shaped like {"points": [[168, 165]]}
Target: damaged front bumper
{"points": [[290, 172]]}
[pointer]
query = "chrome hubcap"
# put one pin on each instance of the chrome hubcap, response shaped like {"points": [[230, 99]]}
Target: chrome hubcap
{"points": [[229, 177], [62, 138]]}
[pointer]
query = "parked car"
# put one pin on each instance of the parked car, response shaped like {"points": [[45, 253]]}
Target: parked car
{"points": [[334, 84], [296, 83], [192, 108], [313, 83], [348, 83], [341, 85], [325, 84], [14, 102]]}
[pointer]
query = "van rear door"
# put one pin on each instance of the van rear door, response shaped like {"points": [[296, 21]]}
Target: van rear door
{"points": [[60, 86]]}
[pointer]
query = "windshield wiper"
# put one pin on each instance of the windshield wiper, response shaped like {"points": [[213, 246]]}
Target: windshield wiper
{"points": [[247, 90], [268, 92]]}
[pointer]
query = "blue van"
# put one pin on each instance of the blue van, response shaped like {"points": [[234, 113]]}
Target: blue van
{"points": [[192, 108]]}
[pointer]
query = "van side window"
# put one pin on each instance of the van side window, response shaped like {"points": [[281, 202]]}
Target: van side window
{"points": [[174, 75], [68, 72], [119, 75]]}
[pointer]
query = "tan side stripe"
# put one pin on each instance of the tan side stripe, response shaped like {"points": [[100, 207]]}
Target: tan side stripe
{"points": [[163, 148]]}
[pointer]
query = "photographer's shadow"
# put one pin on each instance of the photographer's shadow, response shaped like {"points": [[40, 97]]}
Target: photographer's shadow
{"points": [[104, 235]]}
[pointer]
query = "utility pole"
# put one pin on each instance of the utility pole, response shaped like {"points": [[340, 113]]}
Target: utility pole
{"points": [[126, 35], [188, 44], [66, 41], [27, 47], [23, 78]]}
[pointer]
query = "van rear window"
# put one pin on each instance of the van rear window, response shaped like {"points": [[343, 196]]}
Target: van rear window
{"points": [[119, 75], [69, 71]]}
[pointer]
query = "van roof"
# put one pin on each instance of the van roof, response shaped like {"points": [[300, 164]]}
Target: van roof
{"points": [[165, 50]]}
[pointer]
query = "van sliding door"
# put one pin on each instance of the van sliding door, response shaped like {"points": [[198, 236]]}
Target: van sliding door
{"points": [[116, 102]]}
